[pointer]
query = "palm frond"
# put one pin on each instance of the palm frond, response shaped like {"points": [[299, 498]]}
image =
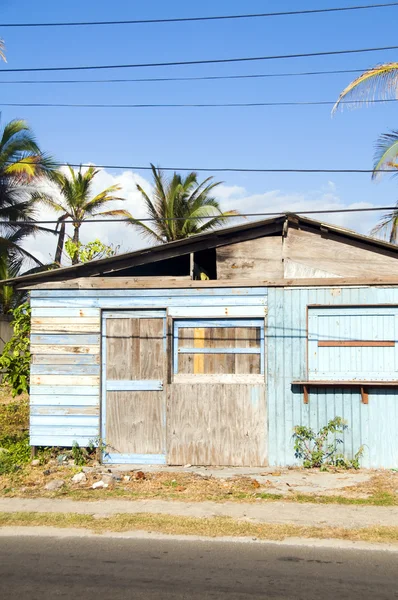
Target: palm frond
{"points": [[146, 231], [113, 213], [378, 83], [386, 152], [2, 49]]}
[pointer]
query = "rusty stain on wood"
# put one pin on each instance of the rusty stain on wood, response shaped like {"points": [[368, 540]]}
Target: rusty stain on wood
{"points": [[63, 349]]}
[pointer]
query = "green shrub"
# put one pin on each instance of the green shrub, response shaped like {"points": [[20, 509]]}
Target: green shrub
{"points": [[15, 359], [320, 449]]}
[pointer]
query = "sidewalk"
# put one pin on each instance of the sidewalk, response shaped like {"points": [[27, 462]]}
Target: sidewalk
{"points": [[330, 515]]}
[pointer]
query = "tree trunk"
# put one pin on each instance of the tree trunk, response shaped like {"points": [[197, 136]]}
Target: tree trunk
{"points": [[60, 245], [75, 259]]}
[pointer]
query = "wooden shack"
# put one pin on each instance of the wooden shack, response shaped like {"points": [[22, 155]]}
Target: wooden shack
{"points": [[209, 350]]}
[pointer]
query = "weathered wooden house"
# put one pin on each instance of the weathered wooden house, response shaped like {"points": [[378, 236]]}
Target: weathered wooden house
{"points": [[210, 350]]}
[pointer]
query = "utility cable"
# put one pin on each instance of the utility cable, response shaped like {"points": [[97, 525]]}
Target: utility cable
{"points": [[215, 169], [165, 79], [194, 105], [205, 18], [202, 62], [238, 216]]}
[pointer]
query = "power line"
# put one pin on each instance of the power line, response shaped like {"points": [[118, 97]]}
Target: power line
{"points": [[195, 105], [216, 169], [238, 216], [203, 78], [208, 18], [203, 61]]}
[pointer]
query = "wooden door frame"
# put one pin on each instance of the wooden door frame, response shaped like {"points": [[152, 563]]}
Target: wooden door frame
{"points": [[141, 459]]}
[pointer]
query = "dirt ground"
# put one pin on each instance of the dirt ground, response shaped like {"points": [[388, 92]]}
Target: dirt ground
{"points": [[201, 484]]}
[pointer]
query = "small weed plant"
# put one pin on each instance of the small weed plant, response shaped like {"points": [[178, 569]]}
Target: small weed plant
{"points": [[320, 449]]}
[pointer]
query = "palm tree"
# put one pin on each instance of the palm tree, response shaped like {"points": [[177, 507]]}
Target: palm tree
{"points": [[180, 207], [76, 202], [10, 298], [21, 163], [379, 83]]}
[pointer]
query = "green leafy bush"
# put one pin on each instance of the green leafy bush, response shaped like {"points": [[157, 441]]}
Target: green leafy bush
{"points": [[14, 437], [320, 449], [15, 359]]}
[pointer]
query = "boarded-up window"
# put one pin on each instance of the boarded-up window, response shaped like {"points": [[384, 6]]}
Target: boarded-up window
{"points": [[349, 343], [219, 347]]}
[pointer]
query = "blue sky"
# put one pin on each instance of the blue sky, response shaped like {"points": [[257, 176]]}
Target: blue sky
{"points": [[280, 137]]}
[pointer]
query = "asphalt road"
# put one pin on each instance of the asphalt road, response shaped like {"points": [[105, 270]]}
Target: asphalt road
{"points": [[42, 568]]}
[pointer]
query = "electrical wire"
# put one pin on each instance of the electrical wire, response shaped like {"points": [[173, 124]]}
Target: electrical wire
{"points": [[202, 61], [208, 18], [194, 105], [238, 216], [216, 169], [164, 79]]}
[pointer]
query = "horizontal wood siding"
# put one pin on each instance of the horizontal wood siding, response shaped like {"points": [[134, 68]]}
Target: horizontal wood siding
{"points": [[373, 425], [65, 346], [65, 376]]}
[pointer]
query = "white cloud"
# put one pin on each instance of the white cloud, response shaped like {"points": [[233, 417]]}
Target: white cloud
{"points": [[230, 197]]}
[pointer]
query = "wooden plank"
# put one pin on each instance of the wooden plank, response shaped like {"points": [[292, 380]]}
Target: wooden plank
{"points": [[217, 291], [134, 385], [65, 339], [134, 424], [134, 459], [66, 325], [64, 349], [152, 347], [63, 400], [65, 359], [74, 431], [219, 350], [122, 349], [214, 312], [227, 378], [211, 284], [251, 259], [319, 252], [217, 424], [67, 380], [65, 390], [59, 420], [65, 312], [355, 343], [306, 396], [364, 395], [63, 441], [55, 410], [199, 342], [355, 383], [65, 369]]}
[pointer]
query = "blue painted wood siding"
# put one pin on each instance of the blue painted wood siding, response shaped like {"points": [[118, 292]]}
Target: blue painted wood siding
{"points": [[65, 344], [374, 425], [352, 324]]}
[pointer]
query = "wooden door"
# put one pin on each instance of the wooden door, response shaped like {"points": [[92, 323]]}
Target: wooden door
{"points": [[217, 401], [133, 408]]}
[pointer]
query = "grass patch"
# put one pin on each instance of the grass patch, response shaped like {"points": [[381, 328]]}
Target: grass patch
{"points": [[208, 527]]}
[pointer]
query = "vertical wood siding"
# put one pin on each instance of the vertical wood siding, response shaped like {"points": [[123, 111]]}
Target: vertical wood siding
{"points": [[65, 345], [374, 425]]}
